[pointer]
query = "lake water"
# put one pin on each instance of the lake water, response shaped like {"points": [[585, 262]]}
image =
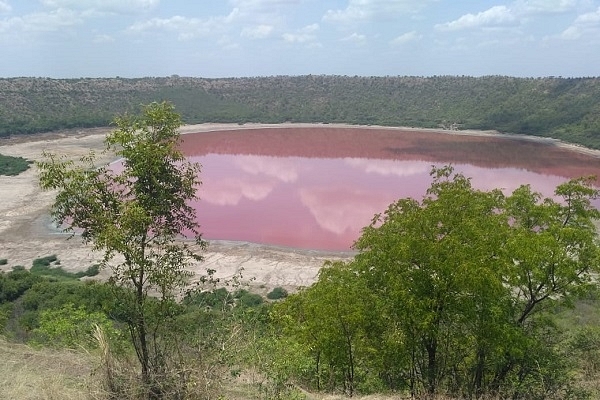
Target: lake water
{"points": [[316, 188]]}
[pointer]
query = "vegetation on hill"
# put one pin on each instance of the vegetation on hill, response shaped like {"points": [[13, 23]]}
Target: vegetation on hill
{"points": [[563, 108]]}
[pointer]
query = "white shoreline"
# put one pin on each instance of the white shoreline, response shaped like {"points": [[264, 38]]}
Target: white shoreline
{"points": [[23, 236]]}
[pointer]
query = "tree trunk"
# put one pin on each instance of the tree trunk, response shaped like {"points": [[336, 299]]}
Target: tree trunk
{"points": [[431, 348], [479, 370]]}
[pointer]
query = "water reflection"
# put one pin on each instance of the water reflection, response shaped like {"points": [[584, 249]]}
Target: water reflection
{"points": [[265, 194]]}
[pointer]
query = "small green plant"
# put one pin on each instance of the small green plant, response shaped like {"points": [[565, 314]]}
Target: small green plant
{"points": [[3, 261], [44, 267], [277, 293], [12, 166], [246, 299], [43, 261]]}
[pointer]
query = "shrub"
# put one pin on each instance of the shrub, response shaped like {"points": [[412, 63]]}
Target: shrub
{"points": [[43, 267], [277, 293], [12, 166], [247, 299]]}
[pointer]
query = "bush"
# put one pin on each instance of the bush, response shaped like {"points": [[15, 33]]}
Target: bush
{"points": [[43, 267], [277, 293], [12, 166], [247, 299], [3, 261], [40, 263]]}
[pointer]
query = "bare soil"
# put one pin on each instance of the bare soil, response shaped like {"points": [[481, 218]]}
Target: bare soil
{"points": [[26, 230]]}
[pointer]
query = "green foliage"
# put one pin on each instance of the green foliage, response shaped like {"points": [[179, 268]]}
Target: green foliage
{"points": [[3, 261], [43, 267], [452, 294], [277, 293], [563, 108], [44, 261], [15, 283], [246, 299], [219, 298], [137, 213], [12, 166], [73, 327]]}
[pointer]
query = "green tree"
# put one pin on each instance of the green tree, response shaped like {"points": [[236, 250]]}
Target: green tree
{"points": [[435, 263], [452, 294], [135, 211], [332, 320]]}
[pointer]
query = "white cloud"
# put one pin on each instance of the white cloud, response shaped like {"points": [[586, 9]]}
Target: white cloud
{"points": [[544, 6], [585, 24], [103, 39], [496, 16], [283, 169], [263, 12], [113, 6], [304, 35], [41, 22], [257, 32], [361, 10], [4, 7], [341, 210], [231, 191], [407, 37], [355, 38], [262, 5], [226, 43], [186, 28], [388, 167]]}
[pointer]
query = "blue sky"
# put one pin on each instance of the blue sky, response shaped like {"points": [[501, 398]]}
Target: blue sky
{"points": [[235, 38]]}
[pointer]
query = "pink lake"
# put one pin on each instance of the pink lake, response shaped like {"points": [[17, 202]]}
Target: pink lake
{"points": [[316, 188]]}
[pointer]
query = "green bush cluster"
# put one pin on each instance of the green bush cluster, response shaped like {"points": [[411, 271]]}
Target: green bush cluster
{"points": [[12, 166], [277, 293], [43, 266]]}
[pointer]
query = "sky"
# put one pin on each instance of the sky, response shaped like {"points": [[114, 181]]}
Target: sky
{"points": [[248, 38]]}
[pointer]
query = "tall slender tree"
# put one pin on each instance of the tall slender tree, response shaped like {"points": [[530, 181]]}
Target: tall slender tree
{"points": [[134, 212]]}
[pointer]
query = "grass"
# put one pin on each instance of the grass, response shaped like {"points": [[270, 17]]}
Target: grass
{"points": [[49, 374], [12, 166], [28, 373]]}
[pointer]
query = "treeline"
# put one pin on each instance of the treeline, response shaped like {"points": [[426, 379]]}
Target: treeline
{"points": [[563, 108]]}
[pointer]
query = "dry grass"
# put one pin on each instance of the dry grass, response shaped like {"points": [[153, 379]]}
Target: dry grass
{"points": [[28, 373]]}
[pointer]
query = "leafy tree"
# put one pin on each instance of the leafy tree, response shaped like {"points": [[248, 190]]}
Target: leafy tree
{"points": [[333, 321], [455, 290], [136, 212]]}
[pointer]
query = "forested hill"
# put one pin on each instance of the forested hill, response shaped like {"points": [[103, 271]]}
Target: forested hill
{"points": [[564, 108]]}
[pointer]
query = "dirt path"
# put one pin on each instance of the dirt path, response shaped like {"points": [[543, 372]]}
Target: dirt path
{"points": [[26, 231]]}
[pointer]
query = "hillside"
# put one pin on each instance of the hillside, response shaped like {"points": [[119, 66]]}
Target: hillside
{"points": [[563, 108]]}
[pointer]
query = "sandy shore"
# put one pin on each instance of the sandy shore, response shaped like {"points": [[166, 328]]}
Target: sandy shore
{"points": [[26, 232]]}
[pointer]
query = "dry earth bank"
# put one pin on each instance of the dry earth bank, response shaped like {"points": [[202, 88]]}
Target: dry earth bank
{"points": [[26, 231]]}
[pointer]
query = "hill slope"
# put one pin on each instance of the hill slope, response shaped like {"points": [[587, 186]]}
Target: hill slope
{"points": [[563, 108]]}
